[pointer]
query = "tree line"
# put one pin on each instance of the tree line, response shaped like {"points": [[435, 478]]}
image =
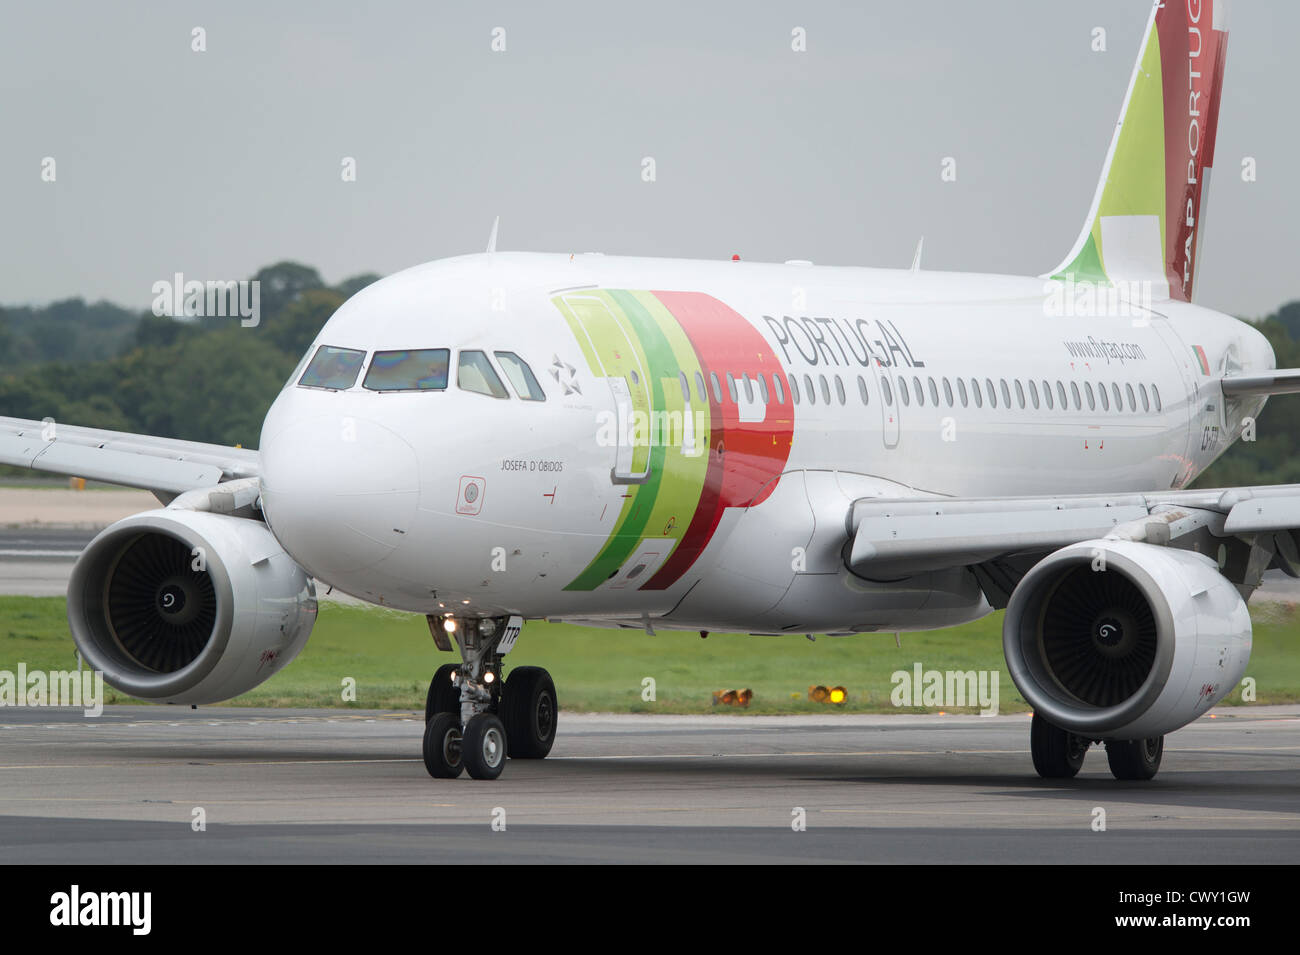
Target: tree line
{"points": [[201, 379]]}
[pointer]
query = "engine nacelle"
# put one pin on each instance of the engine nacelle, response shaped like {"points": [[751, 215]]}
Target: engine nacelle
{"points": [[183, 606], [1122, 640]]}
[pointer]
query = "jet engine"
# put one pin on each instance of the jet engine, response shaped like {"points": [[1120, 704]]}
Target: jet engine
{"points": [[1112, 639], [183, 606]]}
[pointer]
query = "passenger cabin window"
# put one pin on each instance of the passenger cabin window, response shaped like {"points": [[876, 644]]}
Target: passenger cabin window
{"points": [[420, 369], [475, 373], [333, 368], [776, 385], [522, 378]]}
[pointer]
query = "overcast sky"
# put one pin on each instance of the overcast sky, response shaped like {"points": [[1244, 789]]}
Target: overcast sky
{"points": [[217, 163]]}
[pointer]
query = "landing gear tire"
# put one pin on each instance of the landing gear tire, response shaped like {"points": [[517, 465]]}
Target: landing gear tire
{"points": [[444, 696], [529, 710], [1057, 754], [443, 746], [484, 746], [1135, 758]]}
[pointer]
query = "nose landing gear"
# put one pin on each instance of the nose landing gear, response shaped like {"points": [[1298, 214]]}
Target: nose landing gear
{"points": [[473, 719]]}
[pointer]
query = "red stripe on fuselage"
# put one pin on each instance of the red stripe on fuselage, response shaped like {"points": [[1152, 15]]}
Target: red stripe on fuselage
{"points": [[744, 457]]}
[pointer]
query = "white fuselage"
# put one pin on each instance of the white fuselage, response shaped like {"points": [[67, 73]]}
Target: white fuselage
{"points": [[639, 492]]}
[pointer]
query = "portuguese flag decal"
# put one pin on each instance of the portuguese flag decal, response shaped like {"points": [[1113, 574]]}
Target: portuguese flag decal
{"points": [[1201, 359]]}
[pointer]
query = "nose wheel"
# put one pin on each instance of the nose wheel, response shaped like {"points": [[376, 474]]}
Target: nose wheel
{"points": [[485, 746], [474, 719], [529, 710], [443, 746]]}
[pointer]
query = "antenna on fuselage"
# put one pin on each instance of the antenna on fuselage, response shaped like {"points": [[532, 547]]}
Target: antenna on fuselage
{"points": [[916, 256], [492, 238]]}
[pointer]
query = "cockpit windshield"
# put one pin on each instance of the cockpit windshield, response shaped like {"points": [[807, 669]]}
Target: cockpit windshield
{"points": [[475, 373], [419, 369], [521, 376], [422, 369], [333, 368]]}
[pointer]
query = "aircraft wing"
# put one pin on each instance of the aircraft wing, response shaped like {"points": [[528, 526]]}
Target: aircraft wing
{"points": [[1279, 381], [166, 466], [1000, 538]]}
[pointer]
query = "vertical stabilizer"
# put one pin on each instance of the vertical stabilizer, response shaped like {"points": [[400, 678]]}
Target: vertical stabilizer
{"points": [[1147, 220]]}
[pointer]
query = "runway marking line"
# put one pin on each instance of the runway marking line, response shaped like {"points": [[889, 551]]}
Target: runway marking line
{"points": [[610, 756]]}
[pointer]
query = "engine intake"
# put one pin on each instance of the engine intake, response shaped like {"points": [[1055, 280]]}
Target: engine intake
{"points": [[188, 607], [1123, 640]]}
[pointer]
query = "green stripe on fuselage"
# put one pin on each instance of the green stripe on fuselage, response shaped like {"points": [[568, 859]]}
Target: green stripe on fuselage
{"points": [[620, 332]]}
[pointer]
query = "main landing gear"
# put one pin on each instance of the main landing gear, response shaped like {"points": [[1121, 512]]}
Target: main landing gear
{"points": [[473, 719], [1058, 754]]}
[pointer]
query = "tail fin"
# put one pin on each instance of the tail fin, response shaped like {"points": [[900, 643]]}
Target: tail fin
{"points": [[1147, 220]]}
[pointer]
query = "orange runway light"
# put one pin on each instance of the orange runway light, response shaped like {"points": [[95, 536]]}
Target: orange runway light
{"points": [[835, 695], [732, 697]]}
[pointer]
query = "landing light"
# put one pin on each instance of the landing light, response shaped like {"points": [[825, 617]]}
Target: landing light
{"points": [[489, 676], [449, 625]]}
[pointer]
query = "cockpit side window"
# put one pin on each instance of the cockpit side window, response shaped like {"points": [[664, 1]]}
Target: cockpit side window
{"points": [[475, 373], [333, 368], [521, 376], [421, 369]]}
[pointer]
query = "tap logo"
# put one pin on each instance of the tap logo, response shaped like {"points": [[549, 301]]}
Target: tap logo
{"points": [[565, 375]]}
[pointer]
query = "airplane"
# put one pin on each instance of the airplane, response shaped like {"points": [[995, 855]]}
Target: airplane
{"points": [[734, 446]]}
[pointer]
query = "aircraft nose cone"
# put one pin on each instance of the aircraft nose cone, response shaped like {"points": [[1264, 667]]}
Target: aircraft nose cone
{"points": [[339, 492]]}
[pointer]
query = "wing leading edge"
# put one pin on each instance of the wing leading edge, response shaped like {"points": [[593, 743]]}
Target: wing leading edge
{"points": [[1249, 530], [166, 466]]}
